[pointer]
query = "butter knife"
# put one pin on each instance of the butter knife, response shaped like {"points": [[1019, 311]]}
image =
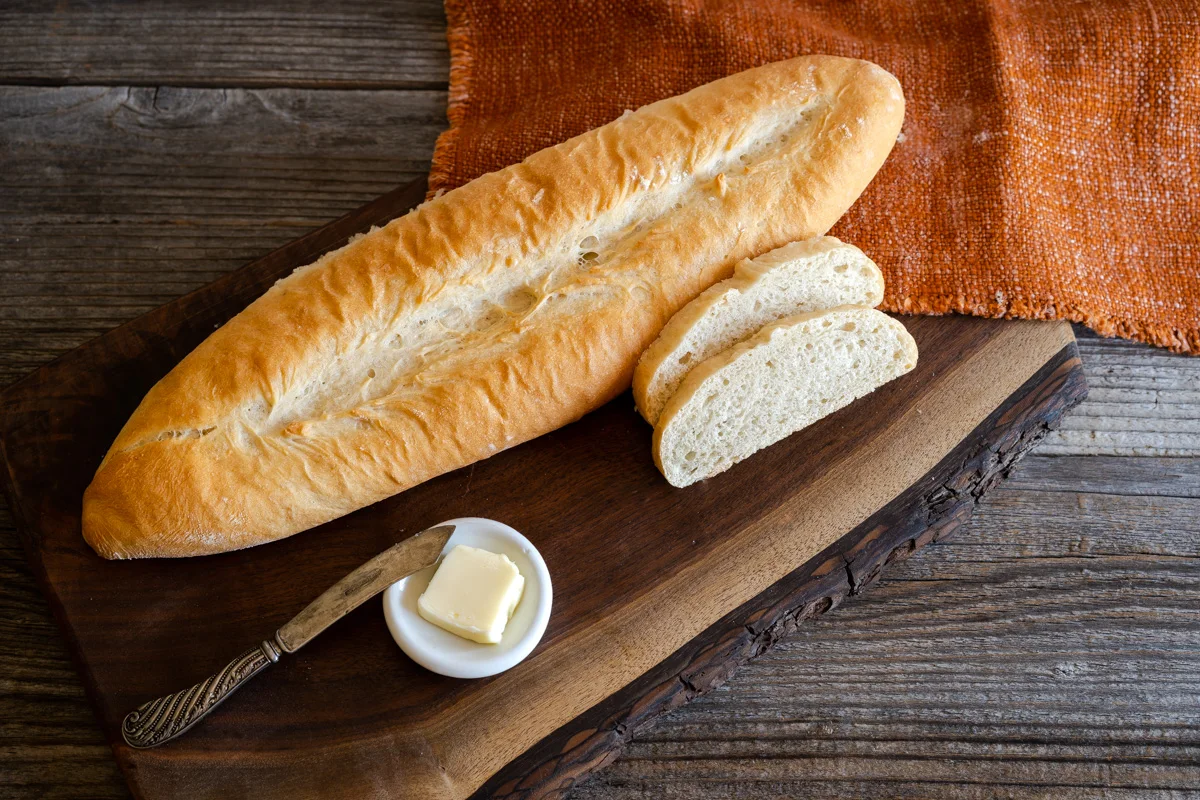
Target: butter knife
{"points": [[166, 718]]}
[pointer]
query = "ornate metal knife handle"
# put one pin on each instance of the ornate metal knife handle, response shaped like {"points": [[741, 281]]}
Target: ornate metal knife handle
{"points": [[167, 717]]}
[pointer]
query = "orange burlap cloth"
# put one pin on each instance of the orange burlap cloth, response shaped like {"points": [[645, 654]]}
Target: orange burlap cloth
{"points": [[1049, 164]]}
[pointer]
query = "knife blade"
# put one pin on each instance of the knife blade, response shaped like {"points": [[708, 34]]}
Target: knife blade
{"points": [[398, 561], [167, 717]]}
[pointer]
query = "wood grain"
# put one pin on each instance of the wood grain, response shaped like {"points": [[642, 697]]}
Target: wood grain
{"points": [[115, 201], [309, 43], [893, 705], [1144, 402]]}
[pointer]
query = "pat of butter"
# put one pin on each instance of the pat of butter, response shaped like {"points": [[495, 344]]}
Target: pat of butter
{"points": [[473, 594]]}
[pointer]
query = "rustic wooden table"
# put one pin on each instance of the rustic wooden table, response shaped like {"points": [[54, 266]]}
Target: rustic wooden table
{"points": [[147, 148]]}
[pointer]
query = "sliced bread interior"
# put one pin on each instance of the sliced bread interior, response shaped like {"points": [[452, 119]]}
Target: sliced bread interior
{"points": [[802, 276], [782, 379]]}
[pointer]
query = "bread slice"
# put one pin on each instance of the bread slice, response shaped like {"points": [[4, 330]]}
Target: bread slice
{"points": [[802, 276], [782, 379], [487, 316]]}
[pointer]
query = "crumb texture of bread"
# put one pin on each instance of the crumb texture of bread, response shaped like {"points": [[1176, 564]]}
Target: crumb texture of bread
{"points": [[810, 275], [486, 317], [784, 378]]}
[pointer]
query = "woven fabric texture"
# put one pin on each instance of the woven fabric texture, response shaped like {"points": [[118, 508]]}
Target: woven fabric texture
{"points": [[1049, 165]]}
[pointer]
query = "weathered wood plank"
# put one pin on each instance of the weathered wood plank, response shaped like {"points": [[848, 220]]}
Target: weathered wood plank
{"points": [[848, 788], [114, 201], [310, 44], [1083, 524], [1044, 669], [1117, 475], [185, 156], [1142, 402]]}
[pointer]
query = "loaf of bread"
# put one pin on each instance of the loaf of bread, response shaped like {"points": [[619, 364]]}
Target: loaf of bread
{"points": [[822, 272], [488, 316], [784, 378]]}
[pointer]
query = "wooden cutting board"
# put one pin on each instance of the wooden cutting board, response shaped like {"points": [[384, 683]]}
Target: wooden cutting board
{"points": [[659, 593]]}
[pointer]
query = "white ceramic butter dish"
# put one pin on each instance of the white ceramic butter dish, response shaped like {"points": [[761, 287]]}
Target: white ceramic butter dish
{"points": [[446, 654]]}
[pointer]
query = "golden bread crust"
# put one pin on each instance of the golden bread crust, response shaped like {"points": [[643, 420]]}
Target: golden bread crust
{"points": [[486, 317]]}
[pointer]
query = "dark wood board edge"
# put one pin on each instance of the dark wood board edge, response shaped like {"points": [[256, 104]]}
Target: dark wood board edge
{"points": [[926, 512]]}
